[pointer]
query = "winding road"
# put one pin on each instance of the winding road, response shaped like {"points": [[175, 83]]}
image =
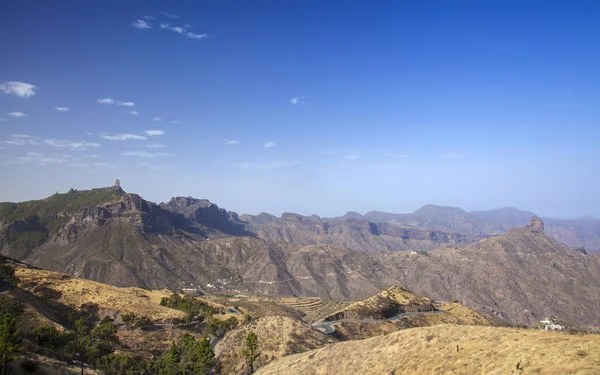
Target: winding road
{"points": [[328, 328]]}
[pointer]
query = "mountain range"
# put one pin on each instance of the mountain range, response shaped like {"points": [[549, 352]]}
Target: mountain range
{"points": [[477, 258]]}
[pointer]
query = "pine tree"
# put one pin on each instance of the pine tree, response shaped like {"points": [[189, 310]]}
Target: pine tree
{"points": [[9, 341], [251, 351]]}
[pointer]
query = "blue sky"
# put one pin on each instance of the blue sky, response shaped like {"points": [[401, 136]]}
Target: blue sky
{"points": [[305, 106]]}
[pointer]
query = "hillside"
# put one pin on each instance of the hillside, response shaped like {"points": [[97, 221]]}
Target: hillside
{"points": [[520, 277], [433, 350], [383, 305], [352, 232], [278, 337]]}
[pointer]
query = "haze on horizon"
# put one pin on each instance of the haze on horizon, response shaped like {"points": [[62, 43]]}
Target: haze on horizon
{"points": [[303, 106]]}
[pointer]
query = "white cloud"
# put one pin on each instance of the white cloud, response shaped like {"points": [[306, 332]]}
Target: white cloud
{"points": [[107, 165], [23, 139], [157, 119], [196, 36], [295, 100], [170, 15], [155, 145], [135, 113], [148, 155], [16, 114], [125, 104], [183, 31], [268, 165], [36, 157], [154, 132], [176, 29], [141, 24], [149, 18], [122, 137], [352, 157], [154, 167], [20, 89], [77, 145], [91, 156], [80, 165], [269, 144], [232, 142], [62, 109], [106, 101], [175, 122]]}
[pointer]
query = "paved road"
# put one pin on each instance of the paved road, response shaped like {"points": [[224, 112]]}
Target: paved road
{"points": [[328, 328]]}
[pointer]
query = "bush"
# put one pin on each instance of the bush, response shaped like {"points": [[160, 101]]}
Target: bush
{"points": [[29, 366], [193, 307], [142, 321]]}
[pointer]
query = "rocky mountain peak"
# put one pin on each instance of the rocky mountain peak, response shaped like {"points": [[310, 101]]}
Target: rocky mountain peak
{"points": [[536, 224]]}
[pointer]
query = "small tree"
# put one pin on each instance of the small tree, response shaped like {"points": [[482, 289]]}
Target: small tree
{"points": [[9, 341], [251, 351], [128, 319]]}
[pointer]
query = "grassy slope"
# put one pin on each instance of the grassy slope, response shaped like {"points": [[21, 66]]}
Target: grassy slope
{"points": [[278, 336], [74, 292], [432, 350], [382, 305]]}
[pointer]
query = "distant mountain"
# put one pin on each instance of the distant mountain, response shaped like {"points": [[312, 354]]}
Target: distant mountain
{"points": [[112, 236], [355, 234], [505, 218]]}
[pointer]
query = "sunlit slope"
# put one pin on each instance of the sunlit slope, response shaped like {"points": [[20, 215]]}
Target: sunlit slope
{"points": [[433, 350]]}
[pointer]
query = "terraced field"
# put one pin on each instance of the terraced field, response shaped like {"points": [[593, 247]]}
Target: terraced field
{"points": [[313, 308]]}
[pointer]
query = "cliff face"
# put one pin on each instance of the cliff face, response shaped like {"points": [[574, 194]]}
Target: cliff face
{"points": [[124, 240], [354, 234]]}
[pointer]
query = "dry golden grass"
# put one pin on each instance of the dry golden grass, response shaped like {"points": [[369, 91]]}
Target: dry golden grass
{"points": [[433, 350], [278, 336], [455, 314], [386, 303], [74, 292]]}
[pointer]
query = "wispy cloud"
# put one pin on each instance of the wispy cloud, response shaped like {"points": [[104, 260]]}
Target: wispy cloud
{"points": [[154, 132], [122, 137], [77, 145], [92, 156], [269, 144], [148, 155], [182, 31], [155, 145], [267, 165], [36, 157], [20, 89], [135, 113], [107, 165], [196, 36], [106, 101], [79, 165], [175, 29], [149, 18], [232, 141], [157, 119], [125, 104], [352, 156], [16, 114], [295, 100], [152, 166], [170, 15], [23, 140], [62, 109], [141, 24]]}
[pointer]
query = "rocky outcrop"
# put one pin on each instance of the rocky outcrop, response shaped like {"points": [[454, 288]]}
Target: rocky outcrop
{"points": [[207, 214]]}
